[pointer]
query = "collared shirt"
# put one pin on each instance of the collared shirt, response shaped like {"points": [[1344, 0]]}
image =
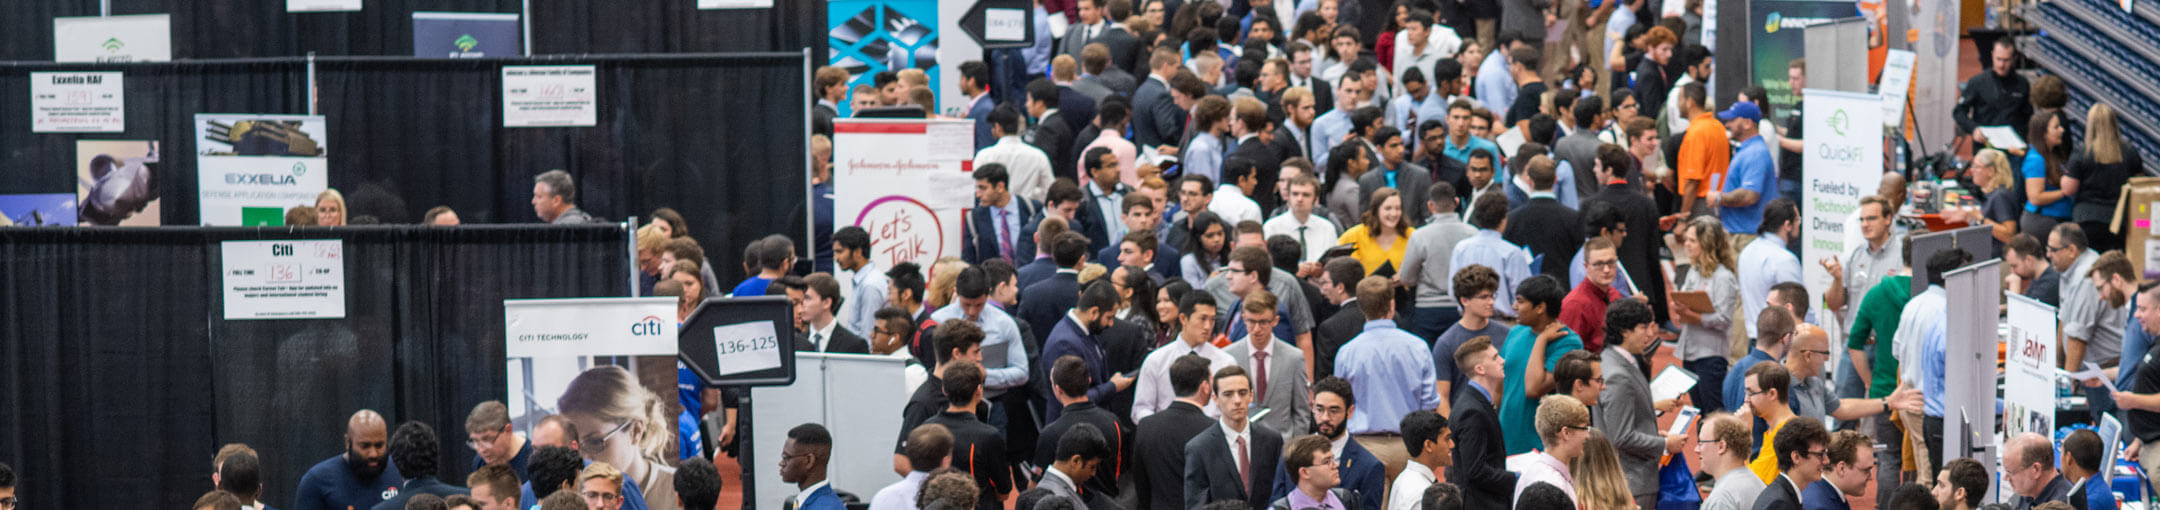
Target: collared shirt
{"points": [[1052, 471], [1203, 156], [1231, 437], [1391, 372], [1470, 146], [1495, 85], [1749, 169], [859, 313], [1763, 264], [1152, 393], [1622, 284], [1408, 493], [1230, 203], [1315, 235], [1814, 398], [1541, 467], [1736, 378], [813, 488], [1327, 501], [1864, 267], [2086, 316], [1327, 131], [1108, 203], [1029, 167], [822, 335], [900, 495], [1428, 263], [1934, 360], [1000, 334], [1126, 152], [1405, 112], [1488, 249]]}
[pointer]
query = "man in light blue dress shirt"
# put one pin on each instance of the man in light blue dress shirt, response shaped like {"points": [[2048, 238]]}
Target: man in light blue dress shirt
{"points": [[1390, 371], [1488, 249], [1765, 262]]}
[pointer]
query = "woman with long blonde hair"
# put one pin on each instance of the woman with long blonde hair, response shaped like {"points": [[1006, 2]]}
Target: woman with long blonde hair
{"points": [[943, 274], [2094, 179], [1599, 483], [626, 426], [1704, 346]]}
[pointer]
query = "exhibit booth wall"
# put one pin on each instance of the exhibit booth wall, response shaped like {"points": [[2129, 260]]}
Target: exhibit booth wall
{"points": [[120, 377]]}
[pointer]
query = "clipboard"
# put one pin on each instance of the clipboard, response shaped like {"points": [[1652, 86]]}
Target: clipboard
{"points": [[1672, 382], [1696, 300]]}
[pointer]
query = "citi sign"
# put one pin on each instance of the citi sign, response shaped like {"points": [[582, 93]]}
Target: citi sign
{"points": [[650, 325]]}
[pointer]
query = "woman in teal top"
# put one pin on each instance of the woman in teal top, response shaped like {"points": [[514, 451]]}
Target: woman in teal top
{"points": [[2045, 202]]}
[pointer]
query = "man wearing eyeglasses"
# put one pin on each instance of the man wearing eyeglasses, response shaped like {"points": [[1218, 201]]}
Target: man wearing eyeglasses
{"points": [[557, 431], [487, 432], [802, 462], [1803, 451], [1722, 443], [2029, 470], [1811, 392], [1584, 308], [1563, 423], [1767, 396], [1851, 465], [600, 486]]}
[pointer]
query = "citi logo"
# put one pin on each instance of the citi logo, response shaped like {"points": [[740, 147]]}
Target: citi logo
{"points": [[650, 325]]}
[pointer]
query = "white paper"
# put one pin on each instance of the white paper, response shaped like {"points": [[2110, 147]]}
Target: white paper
{"points": [[951, 141], [550, 96], [954, 190], [136, 38], [747, 347], [2002, 137], [284, 279], [2091, 371], [734, 4], [321, 5], [77, 103], [1671, 383], [1058, 25], [1004, 24], [1896, 79]]}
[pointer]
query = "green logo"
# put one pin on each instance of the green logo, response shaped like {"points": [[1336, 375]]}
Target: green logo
{"points": [[1838, 122], [299, 168], [466, 42], [113, 45], [1770, 26]]}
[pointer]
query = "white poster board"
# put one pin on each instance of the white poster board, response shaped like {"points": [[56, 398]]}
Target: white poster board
{"points": [[321, 5], [907, 182], [829, 390], [1842, 162], [1895, 82], [137, 38], [77, 103], [251, 168], [550, 342], [549, 96], [1969, 363], [2029, 372], [284, 279], [734, 4]]}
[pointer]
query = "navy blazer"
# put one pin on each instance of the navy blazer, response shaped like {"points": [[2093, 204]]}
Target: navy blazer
{"points": [[1078, 110], [980, 113], [1361, 472], [1047, 302], [1036, 270], [1088, 221], [1823, 496], [978, 240], [1157, 120], [1069, 338], [1167, 262]]}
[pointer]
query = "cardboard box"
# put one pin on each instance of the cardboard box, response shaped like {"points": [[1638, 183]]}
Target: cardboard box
{"points": [[2137, 212]]}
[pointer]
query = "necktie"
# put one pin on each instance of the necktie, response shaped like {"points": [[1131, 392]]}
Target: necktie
{"points": [[1004, 235], [1259, 362], [1244, 466], [817, 341], [1301, 241]]}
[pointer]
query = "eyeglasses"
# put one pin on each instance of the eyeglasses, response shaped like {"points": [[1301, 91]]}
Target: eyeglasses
{"points": [[1330, 410], [1754, 392], [602, 496], [1815, 453], [1234, 270], [1605, 264], [2053, 248], [1574, 427], [593, 444], [9, 503], [488, 440]]}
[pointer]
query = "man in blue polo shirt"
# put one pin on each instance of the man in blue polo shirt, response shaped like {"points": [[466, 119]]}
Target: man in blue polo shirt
{"points": [[487, 432], [360, 478], [1750, 181]]}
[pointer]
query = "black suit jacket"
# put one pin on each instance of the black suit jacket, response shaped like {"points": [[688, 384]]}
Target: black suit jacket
{"points": [[1480, 454], [1166, 263], [1089, 220], [1270, 163], [1291, 146], [1548, 229], [1125, 347], [1337, 330], [1159, 475], [1157, 120], [1448, 170], [1413, 180], [978, 241], [842, 341], [1638, 254], [1036, 270], [1078, 109], [1123, 46], [1115, 433], [1054, 136], [1047, 301], [1211, 472], [1119, 81], [1780, 495], [978, 449]]}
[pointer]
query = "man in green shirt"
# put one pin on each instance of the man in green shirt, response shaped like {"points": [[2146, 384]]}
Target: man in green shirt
{"points": [[1874, 323]]}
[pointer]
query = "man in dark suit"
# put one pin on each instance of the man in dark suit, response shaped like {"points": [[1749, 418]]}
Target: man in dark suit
{"points": [[1075, 335], [414, 449], [1301, 55], [1042, 264], [1293, 135], [1087, 29], [997, 226], [1069, 383], [1480, 446], [1099, 214], [1083, 460], [1802, 447], [1358, 469], [1048, 301], [1157, 119], [1052, 133], [1339, 277], [1546, 227], [975, 82], [1411, 179], [1255, 143], [1161, 261], [1232, 461], [1638, 252], [977, 447], [821, 298], [1160, 475], [1847, 473]]}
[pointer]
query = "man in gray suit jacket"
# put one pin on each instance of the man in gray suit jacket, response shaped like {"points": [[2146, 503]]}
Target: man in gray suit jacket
{"points": [[1277, 368], [1079, 453], [1624, 409], [1411, 179]]}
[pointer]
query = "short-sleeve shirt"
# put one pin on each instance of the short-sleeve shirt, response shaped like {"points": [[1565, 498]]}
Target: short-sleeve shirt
{"points": [[1813, 397], [1443, 352], [1518, 414], [1750, 169], [1765, 464], [1705, 152], [2145, 425], [2036, 168], [1876, 321]]}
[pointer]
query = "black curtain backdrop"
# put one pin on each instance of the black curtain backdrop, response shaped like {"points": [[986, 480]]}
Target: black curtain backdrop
{"points": [[720, 138], [119, 378], [204, 29]]}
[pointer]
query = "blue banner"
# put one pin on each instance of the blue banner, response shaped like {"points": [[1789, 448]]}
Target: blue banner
{"points": [[868, 36]]}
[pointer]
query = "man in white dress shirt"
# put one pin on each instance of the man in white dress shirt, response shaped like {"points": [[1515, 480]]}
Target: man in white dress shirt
{"points": [[1152, 392]]}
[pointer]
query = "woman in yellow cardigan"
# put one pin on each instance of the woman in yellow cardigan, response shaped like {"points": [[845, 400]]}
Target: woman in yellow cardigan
{"points": [[1381, 235]]}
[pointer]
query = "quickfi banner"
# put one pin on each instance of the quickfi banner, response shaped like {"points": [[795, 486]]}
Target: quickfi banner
{"points": [[251, 168], [1843, 162]]}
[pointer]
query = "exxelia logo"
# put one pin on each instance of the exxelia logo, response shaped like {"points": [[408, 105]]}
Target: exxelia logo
{"points": [[650, 325]]}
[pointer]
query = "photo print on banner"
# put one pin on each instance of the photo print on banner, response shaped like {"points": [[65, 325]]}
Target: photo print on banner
{"points": [[116, 183]]}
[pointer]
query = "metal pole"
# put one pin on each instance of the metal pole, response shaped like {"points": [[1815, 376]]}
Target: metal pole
{"points": [[630, 243], [105, 8], [809, 191], [311, 90], [525, 21]]}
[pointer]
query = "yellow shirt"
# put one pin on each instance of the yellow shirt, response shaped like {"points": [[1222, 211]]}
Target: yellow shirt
{"points": [[1370, 253], [1765, 464]]}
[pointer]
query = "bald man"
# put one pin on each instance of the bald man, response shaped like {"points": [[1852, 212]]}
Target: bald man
{"points": [[1811, 395], [360, 478]]}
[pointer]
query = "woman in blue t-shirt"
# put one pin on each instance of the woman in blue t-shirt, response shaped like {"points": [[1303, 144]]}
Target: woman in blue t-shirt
{"points": [[2045, 202]]}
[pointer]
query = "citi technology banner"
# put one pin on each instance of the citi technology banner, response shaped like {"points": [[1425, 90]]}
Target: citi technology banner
{"points": [[1776, 35], [465, 35], [906, 182], [868, 36], [590, 358], [251, 168], [1843, 162]]}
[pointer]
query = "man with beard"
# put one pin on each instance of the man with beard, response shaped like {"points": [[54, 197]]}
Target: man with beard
{"points": [[360, 478], [1332, 403], [1076, 336]]}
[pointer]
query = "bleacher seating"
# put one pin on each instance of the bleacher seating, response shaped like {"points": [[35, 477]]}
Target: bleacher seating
{"points": [[2105, 55]]}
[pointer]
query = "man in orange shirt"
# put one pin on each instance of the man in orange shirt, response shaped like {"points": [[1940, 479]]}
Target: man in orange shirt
{"points": [[1704, 153]]}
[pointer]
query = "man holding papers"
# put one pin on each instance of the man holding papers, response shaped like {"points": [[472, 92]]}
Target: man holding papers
{"points": [[1626, 412], [1812, 395]]}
